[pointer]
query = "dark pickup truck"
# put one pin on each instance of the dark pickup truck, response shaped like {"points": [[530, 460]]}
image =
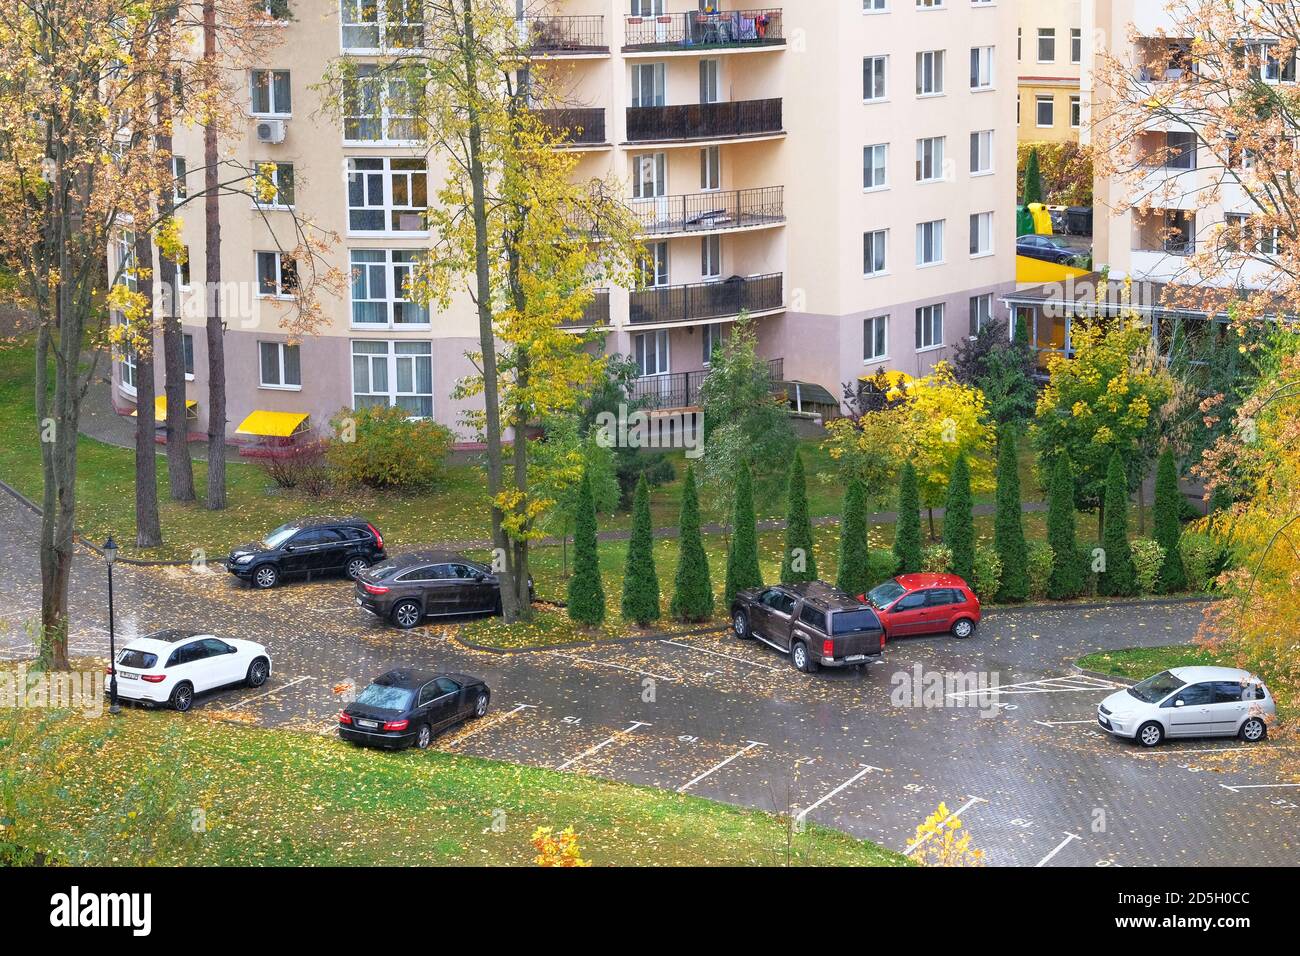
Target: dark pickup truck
{"points": [[813, 622]]}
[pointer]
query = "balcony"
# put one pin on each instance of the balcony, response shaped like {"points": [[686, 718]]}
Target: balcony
{"points": [[596, 312], [695, 30], [706, 300], [682, 389], [577, 127], [704, 121], [704, 212], [563, 36]]}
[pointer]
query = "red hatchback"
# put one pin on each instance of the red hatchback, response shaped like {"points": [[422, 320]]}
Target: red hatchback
{"points": [[925, 604]]}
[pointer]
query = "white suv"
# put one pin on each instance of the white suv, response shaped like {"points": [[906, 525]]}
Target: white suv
{"points": [[1190, 702], [170, 667]]}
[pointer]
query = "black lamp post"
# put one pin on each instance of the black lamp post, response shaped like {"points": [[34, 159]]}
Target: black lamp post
{"points": [[110, 555]]}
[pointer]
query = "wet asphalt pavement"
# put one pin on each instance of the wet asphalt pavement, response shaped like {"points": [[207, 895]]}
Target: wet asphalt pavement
{"points": [[1036, 781]]}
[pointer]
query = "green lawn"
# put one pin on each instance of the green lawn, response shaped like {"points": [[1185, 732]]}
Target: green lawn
{"points": [[158, 788]]}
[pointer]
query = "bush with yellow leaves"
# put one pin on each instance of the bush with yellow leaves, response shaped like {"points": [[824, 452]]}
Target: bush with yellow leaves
{"points": [[941, 841], [558, 849]]}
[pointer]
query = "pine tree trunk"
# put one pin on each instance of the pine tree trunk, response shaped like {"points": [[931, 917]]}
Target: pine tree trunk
{"points": [[212, 286], [148, 529]]}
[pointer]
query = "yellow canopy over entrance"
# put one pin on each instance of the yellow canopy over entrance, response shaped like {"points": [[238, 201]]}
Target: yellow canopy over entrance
{"points": [[266, 424], [160, 408]]}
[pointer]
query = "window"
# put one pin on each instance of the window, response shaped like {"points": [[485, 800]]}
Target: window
{"points": [[396, 374], [873, 251], [1076, 112], [280, 366], [271, 93], [981, 68], [380, 288], [711, 168], [874, 160], [381, 25], [649, 175], [929, 73], [981, 233], [1046, 44], [929, 326], [277, 274], [981, 152], [276, 9], [187, 353], [650, 349], [711, 257], [387, 195], [183, 268], [929, 159], [981, 312], [1020, 43], [875, 6], [1076, 45], [874, 88], [1180, 150], [929, 242], [1017, 109], [929, 4], [1044, 111], [647, 8], [1277, 68], [654, 265], [179, 191], [281, 176], [648, 84], [709, 82], [380, 106], [874, 341], [126, 368], [711, 336]]}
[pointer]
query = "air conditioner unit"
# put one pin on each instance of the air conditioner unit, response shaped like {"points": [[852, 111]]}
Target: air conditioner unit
{"points": [[270, 131]]}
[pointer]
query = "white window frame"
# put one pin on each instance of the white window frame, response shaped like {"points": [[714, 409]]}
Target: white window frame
{"points": [[1076, 45], [929, 325], [378, 99], [879, 78], [929, 243], [875, 158], [1076, 111], [930, 4], [275, 178], [1046, 34], [654, 185], [983, 72], [711, 336], [981, 312], [981, 234], [1041, 100], [641, 342], [870, 327], [930, 159], [389, 176], [710, 169], [930, 72], [392, 268], [711, 258], [399, 356], [271, 99], [180, 188], [875, 241], [280, 286], [384, 30], [981, 152], [875, 6], [657, 74], [710, 80], [187, 355], [282, 384]]}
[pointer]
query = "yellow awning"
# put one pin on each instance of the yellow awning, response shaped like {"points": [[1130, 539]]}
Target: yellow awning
{"points": [[1031, 271], [271, 424], [160, 408]]}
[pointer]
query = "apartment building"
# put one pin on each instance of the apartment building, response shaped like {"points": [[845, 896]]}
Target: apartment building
{"points": [[1050, 53], [842, 172]]}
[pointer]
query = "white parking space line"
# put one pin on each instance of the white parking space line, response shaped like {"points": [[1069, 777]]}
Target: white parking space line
{"points": [[495, 723], [1059, 847], [730, 657], [718, 766], [1062, 723], [1046, 685], [273, 690], [802, 815], [587, 660], [1173, 752], [1257, 786], [604, 743], [956, 813]]}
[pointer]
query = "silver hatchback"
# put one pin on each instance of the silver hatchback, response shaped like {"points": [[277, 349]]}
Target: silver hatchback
{"points": [[1190, 702]]}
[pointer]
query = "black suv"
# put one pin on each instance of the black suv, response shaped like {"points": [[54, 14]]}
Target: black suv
{"points": [[813, 622], [312, 546]]}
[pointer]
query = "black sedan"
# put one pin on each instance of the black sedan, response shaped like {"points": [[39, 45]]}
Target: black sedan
{"points": [[1045, 248], [408, 707]]}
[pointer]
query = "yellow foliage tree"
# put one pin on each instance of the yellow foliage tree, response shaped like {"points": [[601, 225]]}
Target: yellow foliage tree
{"points": [[557, 849], [942, 841]]}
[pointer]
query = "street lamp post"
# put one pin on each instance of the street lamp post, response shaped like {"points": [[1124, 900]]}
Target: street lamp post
{"points": [[110, 555]]}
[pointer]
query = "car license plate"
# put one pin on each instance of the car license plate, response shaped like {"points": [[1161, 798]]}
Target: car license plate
{"points": [[360, 603], [1104, 722], [123, 675], [368, 723]]}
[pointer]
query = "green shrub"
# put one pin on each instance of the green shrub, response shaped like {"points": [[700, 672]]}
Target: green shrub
{"points": [[959, 521], [936, 559], [640, 581], [853, 576], [1040, 569], [987, 573], [742, 557], [1165, 526], [586, 603], [882, 564], [1119, 578], [692, 589], [1203, 559], [1148, 559], [1008, 526], [379, 447], [1087, 576], [907, 531]]}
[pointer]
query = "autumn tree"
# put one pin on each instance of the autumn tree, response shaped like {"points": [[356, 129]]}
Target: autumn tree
{"points": [[1031, 179]]}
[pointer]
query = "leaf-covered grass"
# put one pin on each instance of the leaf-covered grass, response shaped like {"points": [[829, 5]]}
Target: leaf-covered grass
{"points": [[158, 788]]}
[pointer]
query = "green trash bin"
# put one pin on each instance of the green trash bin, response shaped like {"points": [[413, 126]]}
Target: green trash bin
{"points": [[1024, 221]]}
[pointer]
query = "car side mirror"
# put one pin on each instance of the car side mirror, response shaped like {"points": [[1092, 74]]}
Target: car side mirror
{"points": [[1178, 702], [288, 547]]}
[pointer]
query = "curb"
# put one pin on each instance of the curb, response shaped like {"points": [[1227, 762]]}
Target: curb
{"points": [[1101, 605], [1102, 675], [613, 641]]}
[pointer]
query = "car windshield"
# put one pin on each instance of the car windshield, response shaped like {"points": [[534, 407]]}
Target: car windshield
{"points": [[1156, 688], [886, 594], [279, 536], [847, 622], [386, 697], [134, 658]]}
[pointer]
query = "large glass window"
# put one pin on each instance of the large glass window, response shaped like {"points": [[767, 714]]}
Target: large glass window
{"points": [[874, 341], [651, 352], [929, 326], [981, 152], [380, 105], [873, 251], [277, 274], [280, 366], [873, 78], [381, 288], [929, 159], [929, 72], [875, 160], [929, 242], [381, 25], [270, 91], [393, 373], [387, 195]]}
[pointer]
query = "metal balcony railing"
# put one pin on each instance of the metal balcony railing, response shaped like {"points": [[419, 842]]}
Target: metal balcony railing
{"points": [[596, 312], [713, 210], [555, 35], [706, 300], [682, 389], [696, 29], [703, 120], [577, 126]]}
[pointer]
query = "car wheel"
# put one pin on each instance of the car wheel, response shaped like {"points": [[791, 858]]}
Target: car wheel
{"points": [[1254, 730], [266, 577], [1150, 734], [183, 697], [257, 672], [801, 659], [963, 627], [423, 737], [407, 614], [355, 566], [740, 624], [481, 705]]}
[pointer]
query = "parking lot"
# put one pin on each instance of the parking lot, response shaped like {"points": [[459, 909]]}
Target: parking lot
{"points": [[1020, 755]]}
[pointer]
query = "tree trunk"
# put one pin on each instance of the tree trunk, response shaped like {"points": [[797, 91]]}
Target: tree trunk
{"points": [[148, 529], [1142, 507], [930, 510], [212, 289]]}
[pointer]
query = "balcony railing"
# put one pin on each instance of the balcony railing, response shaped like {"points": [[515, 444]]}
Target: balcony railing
{"points": [[595, 313], [578, 127], [558, 35], [703, 120], [717, 210], [706, 300], [682, 389], [695, 29]]}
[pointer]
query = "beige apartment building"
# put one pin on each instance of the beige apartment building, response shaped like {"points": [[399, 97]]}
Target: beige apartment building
{"points": [[842, 172], [1050, 52]]}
